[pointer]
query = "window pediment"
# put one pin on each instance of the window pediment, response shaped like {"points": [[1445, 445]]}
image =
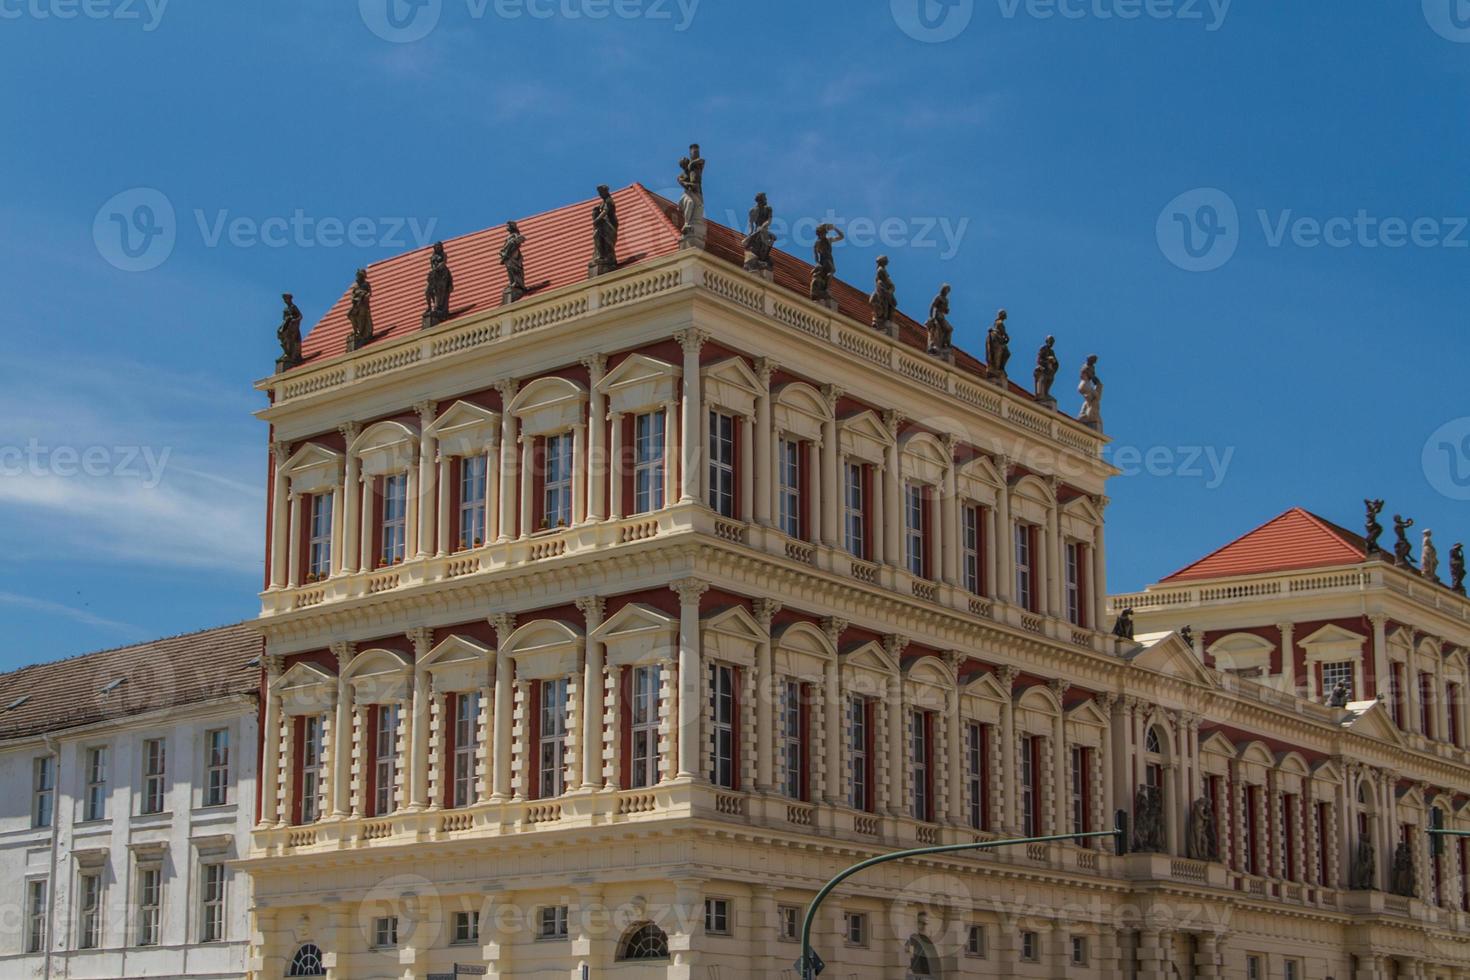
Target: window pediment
{"points": [[466, 430], [1242, 653], [458, 663], [867, 670], [544, 649], [731, 386], [1333, 643], [640, 384], [799, 410], [547, 406], [864, 436], [305, 689], [802, 650], [379, 676], [924, 458], [387, 447], [732, 636], [314, 469], [638, 634]]}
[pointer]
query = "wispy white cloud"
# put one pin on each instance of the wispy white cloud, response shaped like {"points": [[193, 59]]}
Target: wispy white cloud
{"points": [[32, 604]]}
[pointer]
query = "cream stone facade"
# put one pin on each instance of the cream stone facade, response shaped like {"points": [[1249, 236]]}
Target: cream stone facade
{"points": [[604, 628]]}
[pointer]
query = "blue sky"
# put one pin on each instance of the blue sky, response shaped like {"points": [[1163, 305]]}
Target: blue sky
{"points": [[1048, 157]]}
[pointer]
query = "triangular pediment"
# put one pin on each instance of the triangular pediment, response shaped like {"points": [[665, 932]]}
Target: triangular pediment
{"points": [[456, 649], [1168, 654], [733, 371], [1331, 634], [870, 655], [636, 621], [867, 425], [1088, 713], [310, 455], [986, 686], [1218, 744], [464, 415], [303, 675], [1374, 722]]}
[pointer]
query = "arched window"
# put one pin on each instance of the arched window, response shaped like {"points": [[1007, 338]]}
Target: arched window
{"points": [[645, 941], [1151, 743], [307, 962], [923, 958]]}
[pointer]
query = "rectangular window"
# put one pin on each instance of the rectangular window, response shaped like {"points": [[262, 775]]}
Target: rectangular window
{"points": [[1025, 592], [1030, 786], [1079, 950], [788, 487], [1253, 968], [648, 462], [1030, 948], [35, 915], [970, 550], [217, 767], [395, 518], [553, 924], [557, 489], [855, 928], [859, 758], [975, 773], [1452, 710], [975, 942], [43, 790], [1335, 673], [553, 739], [385, 932], [319, 544], [212, 903], [1396, 693], [1081, 819], [1292, 971], [385, 760], [722, 464], [96, 800], [155, 754], [914, 523], [311, 767], [1252, 830], [854, 514], [788, 919], [1426, 704], [466, 747], [717, 916], [1288, 833], [466, 928], [1074, 583], [89, 922], [1324, 842], [473, 471], [150, 901], [723, 706], [793, 736], [920, 763], [644, 722]]}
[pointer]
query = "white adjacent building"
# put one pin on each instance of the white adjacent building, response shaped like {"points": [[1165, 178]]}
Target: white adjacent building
{"points": [[127, 788]]}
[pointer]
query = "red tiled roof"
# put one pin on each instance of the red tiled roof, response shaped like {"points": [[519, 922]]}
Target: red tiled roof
{"points": [[558, 249], [160, 674], [1295, 539]]}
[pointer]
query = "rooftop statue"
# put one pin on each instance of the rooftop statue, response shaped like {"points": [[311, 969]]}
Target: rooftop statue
{"points": [[1457, 568], [691, 198], [1428, 557], [759, 239], [824, 266], [997, 348], [604, 235], [1123, 628], [289, 335], [941, 334], [514, 263], [1045, 374], [1090, 387], [1373, 529], [884, 300], [360, 313], [1339, 696], [1402, 556], [439, 288]]}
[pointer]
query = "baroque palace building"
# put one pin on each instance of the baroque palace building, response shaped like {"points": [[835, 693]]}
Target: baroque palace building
{"points": [[605, 623]]}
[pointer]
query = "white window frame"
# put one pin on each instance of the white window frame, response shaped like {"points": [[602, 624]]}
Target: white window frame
{"points": [[556, 485], [319, 540], [213, 888], [1332, 670], [385, 932], [149, 919], [855, 928], [793, 751], [43, 791], [155, 776], [551, 754], [788, 486], [474, 472], [95, 800], [717, 918], [859, 794], [1030, 815], [466, 748], [970, 557], [854, 510], [722, 463], [976, 945], [89, 909], [466, 928], [788, 923], [723, 698], [975, 773], [1025, 573], [915, 547], [1079, 951], [311, 768], [650, 457], [385, 760], [643, 713], [1030, 947], [920, 759], [1073, 582], [1077, 782], [394, 544], [217, 767], [552, 922], [36, 915]]}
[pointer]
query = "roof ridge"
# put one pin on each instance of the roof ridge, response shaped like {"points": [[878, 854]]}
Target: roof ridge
{"points": [[1229, 544], [657, 202], [125, 646], [1336, 530]]}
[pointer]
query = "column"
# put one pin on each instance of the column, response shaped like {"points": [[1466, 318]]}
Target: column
{"points": [[763, 444], [765, 613], [338, 503], [691, 341], [528, 466], [492, 489], [365, 495], [271, 741], [671, 475], [829, 484], [1206, 961], [418, 753], [592, 608], [1380, 658], [1004, 538], [690, 704], [1007, 678], [1288, 660], [580, 465], [1056, 567], [992, 552], [949, 519], [875, 514], [597, 468], [504, 708], [1108, 704], [1061, 763], [444, 520], [954, 718], [280, 519], [414, 508], [342, 734], [507, 391], [832, 703], [428, 453], [897, 802], [892, 493], [351, 501], [747, 469], [293, 549], [615, 465]]}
